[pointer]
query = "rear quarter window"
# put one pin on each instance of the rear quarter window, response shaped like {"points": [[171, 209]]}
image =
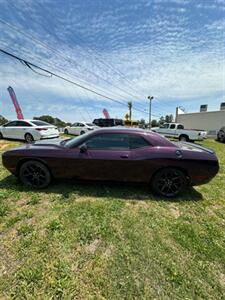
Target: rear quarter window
{"points": [[138, 142], [180, 126]]}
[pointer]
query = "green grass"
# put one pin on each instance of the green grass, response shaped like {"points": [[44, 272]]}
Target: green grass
{"points": [[99, 241]]}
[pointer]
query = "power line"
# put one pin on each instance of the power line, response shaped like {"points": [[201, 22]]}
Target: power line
{"points": [[65, 58], [90, 49], [60, 54], [30, 65], [65, 73]]}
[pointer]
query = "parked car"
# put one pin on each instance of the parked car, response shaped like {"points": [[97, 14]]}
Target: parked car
{"points": [[115, 154], [108, 122], [176, 130], [221, 135], [79, 128], [28, 130]]}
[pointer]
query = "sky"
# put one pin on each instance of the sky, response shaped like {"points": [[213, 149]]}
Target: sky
{"points": [[127, 50]]}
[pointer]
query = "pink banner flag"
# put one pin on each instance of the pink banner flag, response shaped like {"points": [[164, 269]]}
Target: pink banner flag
{"points": [[105, 113], [16, 104]]}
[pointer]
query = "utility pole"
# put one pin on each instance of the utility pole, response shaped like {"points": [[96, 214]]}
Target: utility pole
{"points": [[130, 109], [150, 110]]}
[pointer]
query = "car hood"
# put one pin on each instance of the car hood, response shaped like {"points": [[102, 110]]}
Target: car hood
{"points": [[54, 143], [193, 147]]}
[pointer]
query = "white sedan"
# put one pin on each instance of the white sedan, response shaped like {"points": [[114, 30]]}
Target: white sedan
{"points": [[28, 130], [79, 128]]}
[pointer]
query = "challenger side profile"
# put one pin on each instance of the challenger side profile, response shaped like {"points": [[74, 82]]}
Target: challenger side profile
{"points": [[114, 154]]}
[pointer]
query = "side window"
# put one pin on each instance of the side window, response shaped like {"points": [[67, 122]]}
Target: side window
{"points": [[180, 126], [11, 124], [74, 125], [165, 125], [172, 126], [23, 124], [81, 125], [137, 142], [109, 142]]}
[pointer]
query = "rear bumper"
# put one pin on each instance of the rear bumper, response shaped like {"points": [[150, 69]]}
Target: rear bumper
{"points": [[50, 136], [205, 173]]}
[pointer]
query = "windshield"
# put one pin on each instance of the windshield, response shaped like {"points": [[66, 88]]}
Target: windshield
{"points": [[76, 141]]}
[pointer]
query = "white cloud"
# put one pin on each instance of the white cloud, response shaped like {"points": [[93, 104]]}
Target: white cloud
{"points": [[164, 55]]}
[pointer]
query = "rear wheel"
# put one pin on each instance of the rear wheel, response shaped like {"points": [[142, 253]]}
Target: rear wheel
{"points": [[1, 136], [222, 139], [29, 138], [35, 174], [66, 131], [82, 132], [183, 138], [168, 182]]}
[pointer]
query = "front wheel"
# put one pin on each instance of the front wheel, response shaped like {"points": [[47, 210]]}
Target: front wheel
{"points": [[35, 174], [168, 182], [82, 132], [66, 131]]}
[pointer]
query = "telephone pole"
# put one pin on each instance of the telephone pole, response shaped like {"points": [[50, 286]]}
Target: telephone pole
{"points": [[130, 109], [150, 110]]}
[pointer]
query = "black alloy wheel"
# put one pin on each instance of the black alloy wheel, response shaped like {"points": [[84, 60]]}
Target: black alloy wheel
{"points": [[82, 132], [35, 174], [66, 131], [1, 136], [169, 182], [29, 138]]}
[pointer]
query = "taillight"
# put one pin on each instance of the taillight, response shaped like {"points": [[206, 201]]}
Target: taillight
{"points": [[40, 129]]}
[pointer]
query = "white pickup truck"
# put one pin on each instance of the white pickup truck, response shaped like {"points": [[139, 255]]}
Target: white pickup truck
{"points": [[177, 130]]}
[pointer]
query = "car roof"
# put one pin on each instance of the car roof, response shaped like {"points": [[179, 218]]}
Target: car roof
{"points": [[29, 121], [25, 120], [155, 138]]}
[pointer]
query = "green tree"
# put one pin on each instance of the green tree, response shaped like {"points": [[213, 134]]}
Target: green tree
{"points": [[154, 123], [169, 118], [51, 120], [161, 120], [3, 120]]}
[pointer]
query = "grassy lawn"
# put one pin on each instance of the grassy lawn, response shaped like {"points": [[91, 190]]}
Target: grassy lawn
{"points": [[88, 241]]}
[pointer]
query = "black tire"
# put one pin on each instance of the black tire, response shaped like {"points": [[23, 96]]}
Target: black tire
{"points": [[183, 138], [1, 136], [169, 182], [82, 132], [222, 139], [34, 174], [29, 138], [66, 131]]}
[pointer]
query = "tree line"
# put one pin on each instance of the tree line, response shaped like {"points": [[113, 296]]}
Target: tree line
{"points": [[157, 123], [46, 118], [59, 123]]}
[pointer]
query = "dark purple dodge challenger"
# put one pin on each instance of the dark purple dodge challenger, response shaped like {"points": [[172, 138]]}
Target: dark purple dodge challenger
{"points": [[115, 154]]}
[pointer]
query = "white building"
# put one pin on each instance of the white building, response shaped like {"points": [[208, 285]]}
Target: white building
{"points": [[211, 121]]}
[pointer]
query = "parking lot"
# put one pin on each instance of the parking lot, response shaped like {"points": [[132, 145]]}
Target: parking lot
{"points": [[110, 241]]}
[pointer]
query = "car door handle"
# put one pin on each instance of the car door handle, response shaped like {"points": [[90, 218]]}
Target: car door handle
{"points": [[124, 156]]}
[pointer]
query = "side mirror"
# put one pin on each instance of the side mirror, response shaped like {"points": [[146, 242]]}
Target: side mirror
{"points": [[83, 148]]}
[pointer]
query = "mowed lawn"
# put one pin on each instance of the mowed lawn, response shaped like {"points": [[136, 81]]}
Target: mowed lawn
{"points": [[111, 241]]}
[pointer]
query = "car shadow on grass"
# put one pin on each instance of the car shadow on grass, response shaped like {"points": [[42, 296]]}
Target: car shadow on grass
{"points": [[111, 190]]}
